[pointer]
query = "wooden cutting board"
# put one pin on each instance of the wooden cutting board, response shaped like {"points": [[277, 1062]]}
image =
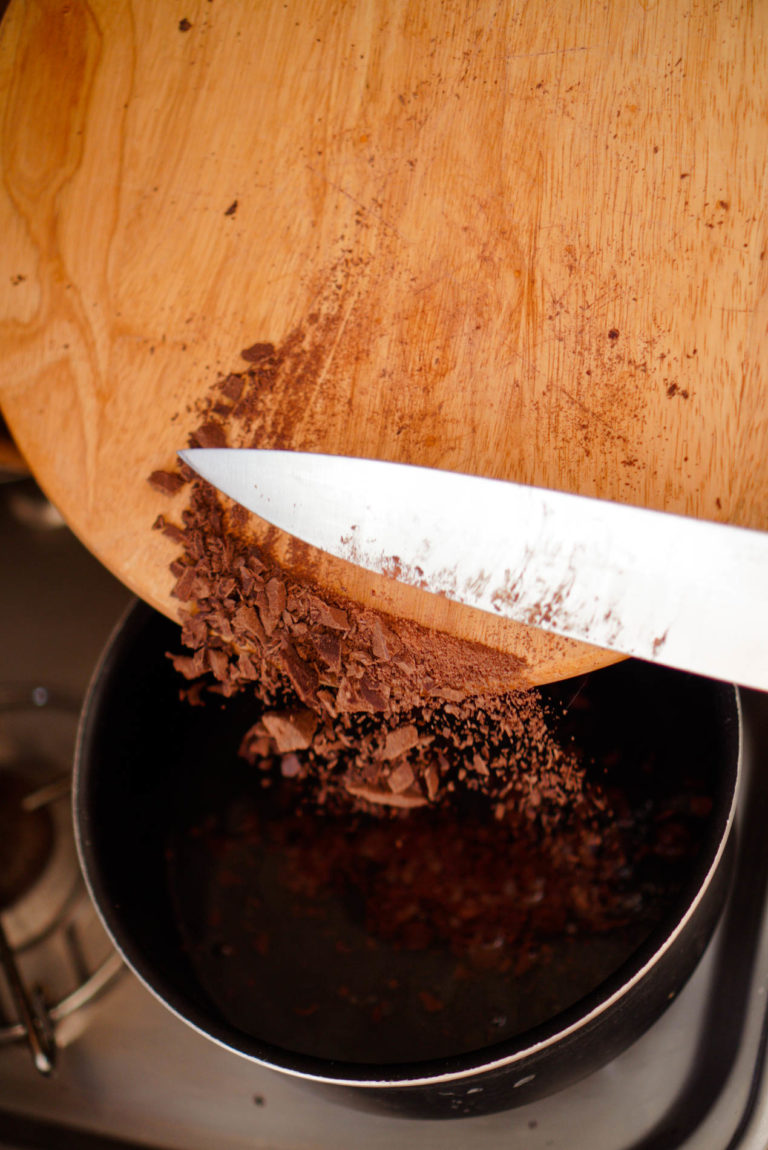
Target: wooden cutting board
{"points": [[526, 240]]}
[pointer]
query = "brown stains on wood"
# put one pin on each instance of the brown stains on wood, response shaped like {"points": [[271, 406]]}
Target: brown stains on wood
{"points": [[47, 105]]}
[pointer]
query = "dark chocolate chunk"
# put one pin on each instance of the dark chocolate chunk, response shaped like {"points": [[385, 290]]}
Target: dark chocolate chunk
{"points": [[169, 482]]}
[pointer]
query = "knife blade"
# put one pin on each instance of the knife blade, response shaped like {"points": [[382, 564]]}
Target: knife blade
{"points": [[683, 592]]}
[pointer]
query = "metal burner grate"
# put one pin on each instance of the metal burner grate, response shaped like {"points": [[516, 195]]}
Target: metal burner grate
{"points": [[54, 953]]}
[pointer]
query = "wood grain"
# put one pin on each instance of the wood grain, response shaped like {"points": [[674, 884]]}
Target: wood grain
{"points": [[523, 240]]}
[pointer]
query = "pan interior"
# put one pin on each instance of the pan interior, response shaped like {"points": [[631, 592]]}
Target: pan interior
{"points": [[282, 927]]}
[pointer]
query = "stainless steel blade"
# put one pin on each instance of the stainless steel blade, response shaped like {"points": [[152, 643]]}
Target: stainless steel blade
{"points": [[682, 592]]}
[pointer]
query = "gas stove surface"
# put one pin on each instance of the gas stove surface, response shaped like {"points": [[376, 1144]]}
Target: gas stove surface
{"points": [[128, 1073]]}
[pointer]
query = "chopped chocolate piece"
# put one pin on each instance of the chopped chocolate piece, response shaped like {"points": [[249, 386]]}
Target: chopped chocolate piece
{"points": [[328, 615], [401, 778], [194, 631], [219, 664], [378, 796], [170, 530], [246, 622], [275, 604], [359, 695], [400, 740], [194, 693], [302, 676], [211, 434], [201, 587], [219, 624], [291, 730], [255, 746], [432, 779], [479, 764], [379, 644], [232, 387], [190, 666], [169, 482], [183, 588], [258, 352], [247, 668], [328, 648]]}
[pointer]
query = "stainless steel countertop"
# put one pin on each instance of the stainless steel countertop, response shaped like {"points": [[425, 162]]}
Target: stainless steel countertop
{"points": [[134, 1075]]}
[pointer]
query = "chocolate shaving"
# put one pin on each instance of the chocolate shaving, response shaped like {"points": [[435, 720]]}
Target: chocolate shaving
{"points": [[290, 730], [400, 740], [401, 779], [378, 796]]}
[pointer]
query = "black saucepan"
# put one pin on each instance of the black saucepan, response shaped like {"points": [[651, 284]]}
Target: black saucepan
{"points": [[182, 845]]}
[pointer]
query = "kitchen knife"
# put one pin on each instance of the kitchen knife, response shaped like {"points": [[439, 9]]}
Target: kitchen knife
{"points": [[682, 592]]}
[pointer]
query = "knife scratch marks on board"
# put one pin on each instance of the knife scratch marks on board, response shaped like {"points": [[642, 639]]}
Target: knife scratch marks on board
{"points": [[371, 211], [549, 52]]}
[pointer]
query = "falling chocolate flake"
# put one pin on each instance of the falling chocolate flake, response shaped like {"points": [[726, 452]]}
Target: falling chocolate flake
{"points": [[400, 740], [183, 589], [381, 797], [290, 730], [401, 778]]}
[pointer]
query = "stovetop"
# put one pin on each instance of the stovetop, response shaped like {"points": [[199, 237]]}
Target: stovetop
{"points": [[130, 1074]]}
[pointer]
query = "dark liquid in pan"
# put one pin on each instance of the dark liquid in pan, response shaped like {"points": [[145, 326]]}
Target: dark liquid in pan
{"points": [[331, 935]]}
